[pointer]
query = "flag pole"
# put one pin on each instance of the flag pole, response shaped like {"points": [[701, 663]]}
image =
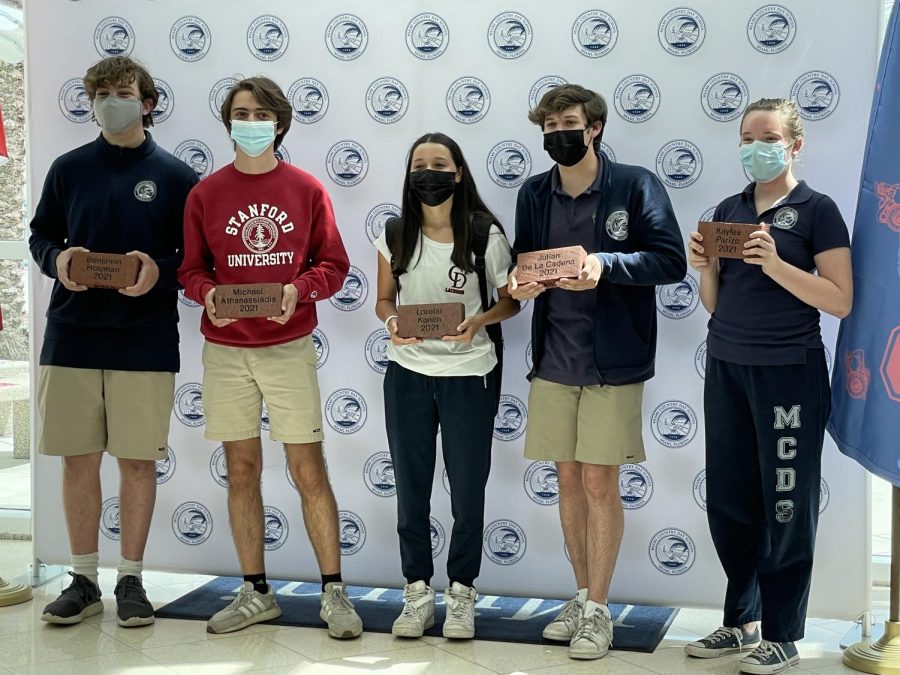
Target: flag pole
{"points": [[883, 656]]}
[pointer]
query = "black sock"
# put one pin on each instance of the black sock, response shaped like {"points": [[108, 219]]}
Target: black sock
{"points": [[258, 581], [330, 579]]}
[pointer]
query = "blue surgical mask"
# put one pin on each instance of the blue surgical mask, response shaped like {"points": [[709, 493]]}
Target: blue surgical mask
{"points": [[253, 137], [764, 161]]}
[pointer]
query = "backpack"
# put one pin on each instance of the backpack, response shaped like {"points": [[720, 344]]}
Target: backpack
{"points": [[480, 230]]}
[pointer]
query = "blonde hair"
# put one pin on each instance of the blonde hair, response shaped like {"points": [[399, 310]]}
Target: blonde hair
{"points": [[786, 110]]}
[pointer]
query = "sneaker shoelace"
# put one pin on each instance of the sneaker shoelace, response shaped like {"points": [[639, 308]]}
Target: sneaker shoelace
{"points": [[128, 587], [765, 651], [723, 633], [79, 586], [240, 599], [590, 627], [338, 602], [571, 613], [459, 610], [410, 608]]}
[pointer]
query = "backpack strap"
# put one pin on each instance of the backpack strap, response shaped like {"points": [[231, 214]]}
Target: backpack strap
{"points": [[481, 228], [391, 233]]}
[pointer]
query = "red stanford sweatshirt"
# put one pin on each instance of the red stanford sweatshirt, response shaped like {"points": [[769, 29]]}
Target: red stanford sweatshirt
{"points": [[262, 228]]}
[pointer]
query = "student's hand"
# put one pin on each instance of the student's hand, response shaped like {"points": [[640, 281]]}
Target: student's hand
{"points": [[392, 328], [761, 250], [696, 257], [522, 292], [147, 277], [467, 330], [588, 279], [210, 302], [62, 268], [288, 304]]}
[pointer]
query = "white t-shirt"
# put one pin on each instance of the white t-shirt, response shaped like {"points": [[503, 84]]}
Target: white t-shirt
{"points": [[434, 278]]}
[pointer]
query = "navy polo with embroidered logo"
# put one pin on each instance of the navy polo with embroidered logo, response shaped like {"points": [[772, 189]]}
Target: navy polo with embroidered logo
{"points": [[756, 322]]}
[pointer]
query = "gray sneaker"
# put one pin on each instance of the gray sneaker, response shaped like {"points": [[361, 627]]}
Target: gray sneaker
{"points": [[563, 627], [593, 637], [769, 657], [723, 641], [79, 601], [247, 608], [460, 621], [418, 611], [337, 611]]}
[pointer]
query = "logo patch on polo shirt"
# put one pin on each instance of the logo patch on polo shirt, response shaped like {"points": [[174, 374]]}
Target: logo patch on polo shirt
{"points": [[785, 218], [617, 225], [145, 191]]}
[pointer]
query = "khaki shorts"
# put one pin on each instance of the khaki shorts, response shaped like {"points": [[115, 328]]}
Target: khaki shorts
{"points": [[237, 379], [599, 424], [125, 412]]}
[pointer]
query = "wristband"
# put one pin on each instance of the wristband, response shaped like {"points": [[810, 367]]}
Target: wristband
{"points": [[387, 321]]}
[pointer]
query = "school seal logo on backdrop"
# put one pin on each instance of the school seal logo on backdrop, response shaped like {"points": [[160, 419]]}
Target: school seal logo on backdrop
{"points": [[595, 33], [504, 542], [672, 551]]}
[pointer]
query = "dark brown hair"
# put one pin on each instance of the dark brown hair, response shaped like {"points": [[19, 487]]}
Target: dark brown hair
{"points": [[467, 204], [118, 70], [269, 96], [567, 95]]}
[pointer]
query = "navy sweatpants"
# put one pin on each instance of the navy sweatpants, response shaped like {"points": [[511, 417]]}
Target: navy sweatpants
{"points": [[464, 406], [765, 426]]}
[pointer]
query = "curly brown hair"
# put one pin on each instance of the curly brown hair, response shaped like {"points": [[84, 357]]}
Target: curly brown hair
{"points": [[117, 70]]}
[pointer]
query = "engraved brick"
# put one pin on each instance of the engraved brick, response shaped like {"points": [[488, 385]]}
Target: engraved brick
{"points": [[242, 301], [430, 321], [550, 265], [103, 270], [726, 240]]}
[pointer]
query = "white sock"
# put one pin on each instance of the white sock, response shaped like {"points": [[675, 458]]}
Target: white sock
{"points": [[590, 607], [86, 565], [130, 567]]}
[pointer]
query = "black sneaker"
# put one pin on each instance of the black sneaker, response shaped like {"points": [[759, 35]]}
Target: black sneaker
{"points": [[723, 641], [79, 601], [132, 606], [769, 657]]}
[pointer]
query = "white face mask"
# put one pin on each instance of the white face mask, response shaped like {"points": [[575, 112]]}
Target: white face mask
{"points": [[116, 114]]}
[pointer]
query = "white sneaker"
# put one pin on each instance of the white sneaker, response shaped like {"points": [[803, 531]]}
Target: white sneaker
{"points": [[418, 611], [247, 608], [338, 612], [563, 627], [593, 637], [460, 621]]}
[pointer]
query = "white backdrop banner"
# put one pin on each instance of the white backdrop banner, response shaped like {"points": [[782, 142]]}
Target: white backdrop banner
{"points": [[367, 78]]}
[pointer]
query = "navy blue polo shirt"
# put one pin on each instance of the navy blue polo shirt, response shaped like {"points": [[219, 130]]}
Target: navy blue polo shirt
{"points": [[569, 348], [756, 321]]}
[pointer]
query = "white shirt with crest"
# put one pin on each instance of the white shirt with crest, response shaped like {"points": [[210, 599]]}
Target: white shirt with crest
{"points": [[433, 278]]}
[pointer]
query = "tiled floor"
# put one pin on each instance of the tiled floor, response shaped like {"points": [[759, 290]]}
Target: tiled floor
{"points": [[99, 646]]}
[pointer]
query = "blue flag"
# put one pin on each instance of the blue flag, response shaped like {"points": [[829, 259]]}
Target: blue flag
{"points": [[865, 415]]}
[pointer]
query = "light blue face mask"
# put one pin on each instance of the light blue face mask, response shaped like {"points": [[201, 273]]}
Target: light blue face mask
{"points": [[764, 161], [253, 137]]}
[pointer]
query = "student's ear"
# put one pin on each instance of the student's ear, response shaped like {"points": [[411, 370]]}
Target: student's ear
{"points": [[459, 173], [146, 106], [795, 148]]}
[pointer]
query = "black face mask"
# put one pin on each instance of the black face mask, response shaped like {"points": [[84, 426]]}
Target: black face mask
{"points": [[432, 187], [566, 147]]}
